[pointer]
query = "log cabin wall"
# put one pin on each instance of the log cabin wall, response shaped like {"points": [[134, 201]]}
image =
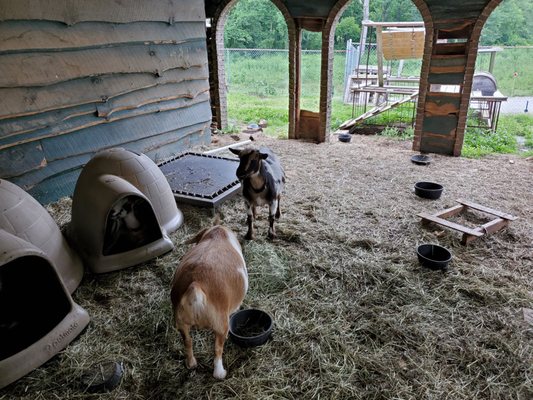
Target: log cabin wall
{"points": [[77, 77]]}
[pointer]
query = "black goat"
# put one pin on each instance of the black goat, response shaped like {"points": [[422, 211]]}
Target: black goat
{"points": [[262, 179]]}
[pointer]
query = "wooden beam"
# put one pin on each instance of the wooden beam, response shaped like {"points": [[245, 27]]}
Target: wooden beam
{"points": [[33, 36], [487, 210], [41, 69], [19, 102], [379, 52], [449, 224]]}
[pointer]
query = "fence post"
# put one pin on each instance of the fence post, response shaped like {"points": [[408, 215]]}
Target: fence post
{"points": [[227, 65]]}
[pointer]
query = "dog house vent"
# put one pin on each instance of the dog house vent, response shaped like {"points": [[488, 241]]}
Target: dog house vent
{"points": [[37, 315], [122, 211], [23, 216], [202, 179]]}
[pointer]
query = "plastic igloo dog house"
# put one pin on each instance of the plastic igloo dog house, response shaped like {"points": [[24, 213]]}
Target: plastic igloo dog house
{"points": [[122, 211], [23, 216], [38, 317]]}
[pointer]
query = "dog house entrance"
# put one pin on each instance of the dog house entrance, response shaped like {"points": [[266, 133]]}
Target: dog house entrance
{"points": [[32, 303], [131, 223], [202, 179]]}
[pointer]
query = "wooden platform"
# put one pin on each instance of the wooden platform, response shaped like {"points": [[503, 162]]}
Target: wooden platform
{"points": [[469, 234]]}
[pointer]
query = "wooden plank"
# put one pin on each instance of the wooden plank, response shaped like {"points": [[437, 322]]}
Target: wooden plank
{"points": [[56, 187], [17, 102], [449, 224], [440, 124], [21, 125], [487, 210], [86, 121], [50, 170], [71, 12], [449, 48], [434, 109], [401, 24], [41, 69], [450, 212], [112, 134], [379, 51], [430, 143], [447, 69], [21, 159], [60, 166], [493, 226], [171, 144], [32, 36], [447, 78]]}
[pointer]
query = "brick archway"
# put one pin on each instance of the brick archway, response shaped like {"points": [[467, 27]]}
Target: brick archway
{"points": [[427, 138], [217, 63]]}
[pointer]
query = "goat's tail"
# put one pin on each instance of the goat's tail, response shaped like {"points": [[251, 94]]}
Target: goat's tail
{"points": [[193, 302]]}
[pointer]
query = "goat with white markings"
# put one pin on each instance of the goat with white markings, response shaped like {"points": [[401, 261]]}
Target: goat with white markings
{"points": [[262, 179], [208, 286]]}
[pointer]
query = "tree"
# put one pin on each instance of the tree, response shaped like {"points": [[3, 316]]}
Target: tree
{"points": [[347, 28], [255, 24]]}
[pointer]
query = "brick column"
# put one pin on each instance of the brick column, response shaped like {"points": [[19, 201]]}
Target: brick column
{"points": [[326, 68], [473, 42], [424, 72]]}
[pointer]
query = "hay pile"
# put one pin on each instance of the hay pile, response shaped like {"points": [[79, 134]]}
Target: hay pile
{"points": [[355, 315]]}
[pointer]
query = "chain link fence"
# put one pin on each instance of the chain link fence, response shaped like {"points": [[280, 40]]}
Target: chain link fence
{"points": [[264, 73]]}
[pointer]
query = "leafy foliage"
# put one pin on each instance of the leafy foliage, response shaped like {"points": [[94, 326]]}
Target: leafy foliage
{"points": [[259, 24]]}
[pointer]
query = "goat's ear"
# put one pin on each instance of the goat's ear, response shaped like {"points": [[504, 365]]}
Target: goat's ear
{"points": [[196, 238], [263, 155], [235, 151]]}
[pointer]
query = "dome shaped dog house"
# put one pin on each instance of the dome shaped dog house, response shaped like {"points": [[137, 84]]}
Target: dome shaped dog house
{"points": [[23, 216], [38, 317], [122, 211]]}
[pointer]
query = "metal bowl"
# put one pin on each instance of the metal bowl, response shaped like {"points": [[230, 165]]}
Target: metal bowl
{"points": [[250, 328], [433, 256]]}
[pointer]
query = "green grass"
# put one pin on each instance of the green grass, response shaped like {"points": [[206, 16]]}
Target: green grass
{"points": [[258, 88], [507, 63]]}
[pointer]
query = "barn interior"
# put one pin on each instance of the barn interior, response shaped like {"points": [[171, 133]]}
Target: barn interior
{"points": [[77, 79]]}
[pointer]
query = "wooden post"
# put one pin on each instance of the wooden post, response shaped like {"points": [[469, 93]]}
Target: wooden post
{"points": [[379, 51], [491, 62]]}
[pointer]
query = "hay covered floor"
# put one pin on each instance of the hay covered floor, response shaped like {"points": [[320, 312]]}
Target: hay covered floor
{"points": [[356, 317]]}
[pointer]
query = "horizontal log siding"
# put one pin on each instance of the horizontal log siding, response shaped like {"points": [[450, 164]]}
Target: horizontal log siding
{"points": [[76, 78]]}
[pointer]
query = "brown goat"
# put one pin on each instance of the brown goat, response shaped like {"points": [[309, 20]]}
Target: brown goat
{"points": [[208, 286]]}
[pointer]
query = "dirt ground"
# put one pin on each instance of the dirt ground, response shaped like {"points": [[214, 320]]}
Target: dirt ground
{"points": [[356, 316]]}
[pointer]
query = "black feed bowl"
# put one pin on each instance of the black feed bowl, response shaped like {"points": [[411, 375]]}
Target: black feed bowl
{"points": [[428, 190], [421, 159], [345, 137], [250, 328], [433, 256]]}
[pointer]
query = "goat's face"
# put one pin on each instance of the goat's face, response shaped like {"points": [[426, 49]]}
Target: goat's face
{"points": [[250, 162]]}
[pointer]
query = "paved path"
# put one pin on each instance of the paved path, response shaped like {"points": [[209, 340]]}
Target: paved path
{"points": [[517, 105]]}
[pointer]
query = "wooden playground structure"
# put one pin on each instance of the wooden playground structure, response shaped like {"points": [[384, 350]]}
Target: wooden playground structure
{"points": [[375, 89]]}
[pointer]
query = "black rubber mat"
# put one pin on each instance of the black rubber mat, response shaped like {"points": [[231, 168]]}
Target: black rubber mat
{"points": [[201, 179]]}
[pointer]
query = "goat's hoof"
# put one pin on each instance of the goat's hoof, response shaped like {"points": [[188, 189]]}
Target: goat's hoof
{"points": [[272, 235], [219, 374], [191, 363], [249, 236]]}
